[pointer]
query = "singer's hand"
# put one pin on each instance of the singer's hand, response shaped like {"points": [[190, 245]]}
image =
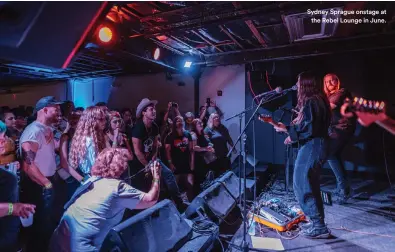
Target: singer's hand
{"points": [[288, 140], [280, 127]]}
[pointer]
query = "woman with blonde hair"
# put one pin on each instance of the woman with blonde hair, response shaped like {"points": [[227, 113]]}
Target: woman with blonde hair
{"points": [[99, 204], [219, 136], [88, 140], [310, 130], [340, 132]]}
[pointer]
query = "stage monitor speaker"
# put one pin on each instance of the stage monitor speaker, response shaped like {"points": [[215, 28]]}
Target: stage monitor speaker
{"points": [[217, 200], [159, 228]]}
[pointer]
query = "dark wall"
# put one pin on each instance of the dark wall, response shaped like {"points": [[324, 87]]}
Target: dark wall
{"points": [[366, 74]]}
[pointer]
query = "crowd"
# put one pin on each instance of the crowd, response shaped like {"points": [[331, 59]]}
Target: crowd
{"points": [[78, 172]]}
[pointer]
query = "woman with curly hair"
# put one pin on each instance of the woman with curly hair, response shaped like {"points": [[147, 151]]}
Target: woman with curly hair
{"points": [[310, 130], [92, 213], [88, 140]]}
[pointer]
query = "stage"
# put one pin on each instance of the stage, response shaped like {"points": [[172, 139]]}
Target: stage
{"points": [[369, 214]]}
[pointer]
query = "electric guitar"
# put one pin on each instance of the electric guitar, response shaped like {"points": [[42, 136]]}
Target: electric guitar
{"points": [[368, 112], [268, 119]]}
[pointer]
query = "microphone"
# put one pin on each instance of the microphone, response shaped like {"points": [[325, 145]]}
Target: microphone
{"points": [[277, 90], [293, 88]]}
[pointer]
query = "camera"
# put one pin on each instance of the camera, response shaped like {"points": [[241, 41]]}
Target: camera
{"points": [[174, 105]]}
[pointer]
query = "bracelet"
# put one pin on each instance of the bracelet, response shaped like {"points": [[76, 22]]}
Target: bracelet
{"points": [[155, 181], [48, 186], [10, 208], [169, 161]]}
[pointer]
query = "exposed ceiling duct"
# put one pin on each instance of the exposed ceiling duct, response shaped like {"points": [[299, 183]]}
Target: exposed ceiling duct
{"points": [[300, 26]]}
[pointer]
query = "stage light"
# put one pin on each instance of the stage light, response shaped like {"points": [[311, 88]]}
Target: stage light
{"points": [[105, 34], [157, 53], [188, 64]]}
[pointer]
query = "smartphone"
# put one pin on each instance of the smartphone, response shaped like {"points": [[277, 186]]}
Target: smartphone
{"points": [[208, 101]]}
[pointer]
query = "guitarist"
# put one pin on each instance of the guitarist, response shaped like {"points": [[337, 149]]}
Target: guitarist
{"points": [[340, 132], [310, 129], [145, 138]]}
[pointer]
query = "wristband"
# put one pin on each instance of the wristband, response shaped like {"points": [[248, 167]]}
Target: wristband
{"points": [[10, 208], [155, 181], [48, 186]]}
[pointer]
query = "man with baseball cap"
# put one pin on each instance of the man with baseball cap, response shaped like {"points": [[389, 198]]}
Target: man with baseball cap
{"points": [[145, 138], [38, 155]]}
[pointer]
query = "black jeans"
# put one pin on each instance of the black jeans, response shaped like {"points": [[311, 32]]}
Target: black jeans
{"points": [[9, 225], [337, 142], [44, 220], [306, 179]]}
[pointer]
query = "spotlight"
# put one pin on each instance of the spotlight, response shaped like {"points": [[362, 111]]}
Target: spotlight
{"points": [[105, 34], [188, 64], [157, 53]]}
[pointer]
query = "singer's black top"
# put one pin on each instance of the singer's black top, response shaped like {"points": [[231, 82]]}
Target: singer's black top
{"points": [[315, 122]]}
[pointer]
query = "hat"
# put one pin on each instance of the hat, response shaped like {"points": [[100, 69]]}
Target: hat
{"points": [[143, 104], [189, 114], [46, 102]]}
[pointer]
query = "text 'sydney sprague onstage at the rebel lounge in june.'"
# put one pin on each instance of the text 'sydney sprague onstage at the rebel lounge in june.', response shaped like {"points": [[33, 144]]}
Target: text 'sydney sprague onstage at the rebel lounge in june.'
{"points": [[347, 16]]}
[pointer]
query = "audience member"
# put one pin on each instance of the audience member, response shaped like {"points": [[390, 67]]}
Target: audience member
{"points": [[88, 140], [38, 154], [220, 137], [92, 213], [70, 176], [180, 155], [145, 137], [204, 152], [189, 117]]}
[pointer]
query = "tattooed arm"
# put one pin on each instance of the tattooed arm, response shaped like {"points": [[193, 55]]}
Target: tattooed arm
{"points": [[29, 150]]}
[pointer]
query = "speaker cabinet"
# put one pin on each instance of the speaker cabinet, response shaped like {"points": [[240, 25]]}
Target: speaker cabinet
{"points": [[159, 228]]}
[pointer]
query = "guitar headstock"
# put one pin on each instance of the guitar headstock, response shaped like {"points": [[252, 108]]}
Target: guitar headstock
{"points": [[367, 111], [265, 118], [358, 104]]}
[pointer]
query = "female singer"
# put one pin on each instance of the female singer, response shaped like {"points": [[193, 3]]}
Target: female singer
{"points": [[88, 140], [310, 130], [340, 132]]}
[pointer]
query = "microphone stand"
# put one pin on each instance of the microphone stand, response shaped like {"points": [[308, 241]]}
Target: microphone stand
{"points": [[240, 115], [245, 246]]}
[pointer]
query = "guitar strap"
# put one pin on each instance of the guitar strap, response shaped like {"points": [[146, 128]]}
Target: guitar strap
{"points": [[84, 188]]}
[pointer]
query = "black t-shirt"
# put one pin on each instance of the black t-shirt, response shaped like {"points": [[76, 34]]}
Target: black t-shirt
{"points": [[219, 137], [338, 122], [147, 137], [180, 152]]}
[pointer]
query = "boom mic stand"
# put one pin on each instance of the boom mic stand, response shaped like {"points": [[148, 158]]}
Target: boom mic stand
{"points": [[245, 246], [240, 115]]}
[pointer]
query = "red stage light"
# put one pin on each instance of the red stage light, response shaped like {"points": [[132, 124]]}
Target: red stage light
{"points": [[105, 34], [157, 53]]}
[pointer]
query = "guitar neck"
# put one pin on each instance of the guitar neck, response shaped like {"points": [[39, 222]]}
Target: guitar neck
{"points": [[387, 124]]}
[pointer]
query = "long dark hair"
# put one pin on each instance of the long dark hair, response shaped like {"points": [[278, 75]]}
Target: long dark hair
{"points": [[309, 87], [174, 127]]}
